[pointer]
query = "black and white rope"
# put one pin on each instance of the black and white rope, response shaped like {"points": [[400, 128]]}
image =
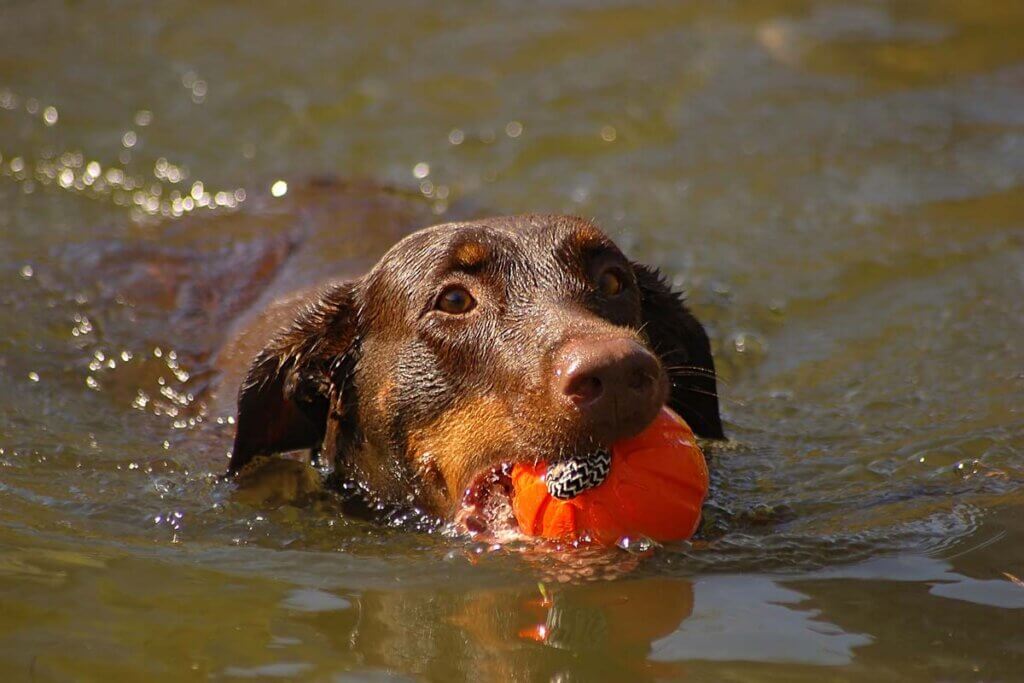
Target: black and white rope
{"points": [[570, 478]]}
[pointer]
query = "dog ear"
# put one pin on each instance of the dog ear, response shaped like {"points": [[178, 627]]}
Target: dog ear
{"points": [[682, 344], [284, 401]]}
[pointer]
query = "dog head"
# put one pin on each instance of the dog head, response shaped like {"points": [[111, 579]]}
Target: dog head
{"points": [[473, 345]]}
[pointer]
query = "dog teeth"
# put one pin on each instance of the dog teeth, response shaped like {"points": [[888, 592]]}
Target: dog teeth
{"points": [[570, 478]]}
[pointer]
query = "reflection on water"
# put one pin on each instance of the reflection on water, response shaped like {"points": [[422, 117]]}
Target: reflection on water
{"points": [[635, 628], [755, 619], [837, 185]]}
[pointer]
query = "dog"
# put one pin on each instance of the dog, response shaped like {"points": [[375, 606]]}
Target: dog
{"points": [[469, 346]]}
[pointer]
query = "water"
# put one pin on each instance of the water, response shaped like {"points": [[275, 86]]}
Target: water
{"points": [[840, 187]]}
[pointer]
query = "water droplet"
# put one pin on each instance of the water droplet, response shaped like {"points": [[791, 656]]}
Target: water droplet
{"points": [[746, 342], [141, 400], [637, 546]]}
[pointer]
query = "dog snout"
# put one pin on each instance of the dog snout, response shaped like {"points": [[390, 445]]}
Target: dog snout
{"points": [[615, 385]]}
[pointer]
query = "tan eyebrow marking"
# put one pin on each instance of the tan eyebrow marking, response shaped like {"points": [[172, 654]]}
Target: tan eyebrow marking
{"points": [[586, 237], [470, 255]]}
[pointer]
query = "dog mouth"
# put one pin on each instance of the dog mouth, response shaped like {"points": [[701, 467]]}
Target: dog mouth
{"points": [[487, 502], [486, 506]]}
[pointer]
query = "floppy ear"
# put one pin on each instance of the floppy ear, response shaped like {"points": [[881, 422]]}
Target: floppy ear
{"points": [[285, 398], [682, 344]]}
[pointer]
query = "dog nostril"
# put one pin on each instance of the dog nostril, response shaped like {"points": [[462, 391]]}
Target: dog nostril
{"points": [[583, 390]]}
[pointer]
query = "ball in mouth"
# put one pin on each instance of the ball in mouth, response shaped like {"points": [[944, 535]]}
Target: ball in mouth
{"points": [[650, 485]]}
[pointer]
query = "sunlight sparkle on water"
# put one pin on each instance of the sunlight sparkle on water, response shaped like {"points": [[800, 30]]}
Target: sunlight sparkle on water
{"points": [[124, 186]]}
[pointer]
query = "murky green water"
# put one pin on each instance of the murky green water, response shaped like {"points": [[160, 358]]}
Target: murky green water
{"points": [[839, 186]]}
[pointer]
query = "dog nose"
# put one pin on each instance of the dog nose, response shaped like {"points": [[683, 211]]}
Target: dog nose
{"points": [[615, 383]]}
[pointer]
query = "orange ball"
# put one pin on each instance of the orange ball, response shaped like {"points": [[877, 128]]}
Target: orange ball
{"points": [[655, 488]]}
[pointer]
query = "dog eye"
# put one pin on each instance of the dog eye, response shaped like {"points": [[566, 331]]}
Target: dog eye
{"points": [[455, 300], [611, 282]]}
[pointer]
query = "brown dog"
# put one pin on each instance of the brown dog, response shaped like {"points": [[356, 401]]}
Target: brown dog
{"points": [[470, 345]]}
